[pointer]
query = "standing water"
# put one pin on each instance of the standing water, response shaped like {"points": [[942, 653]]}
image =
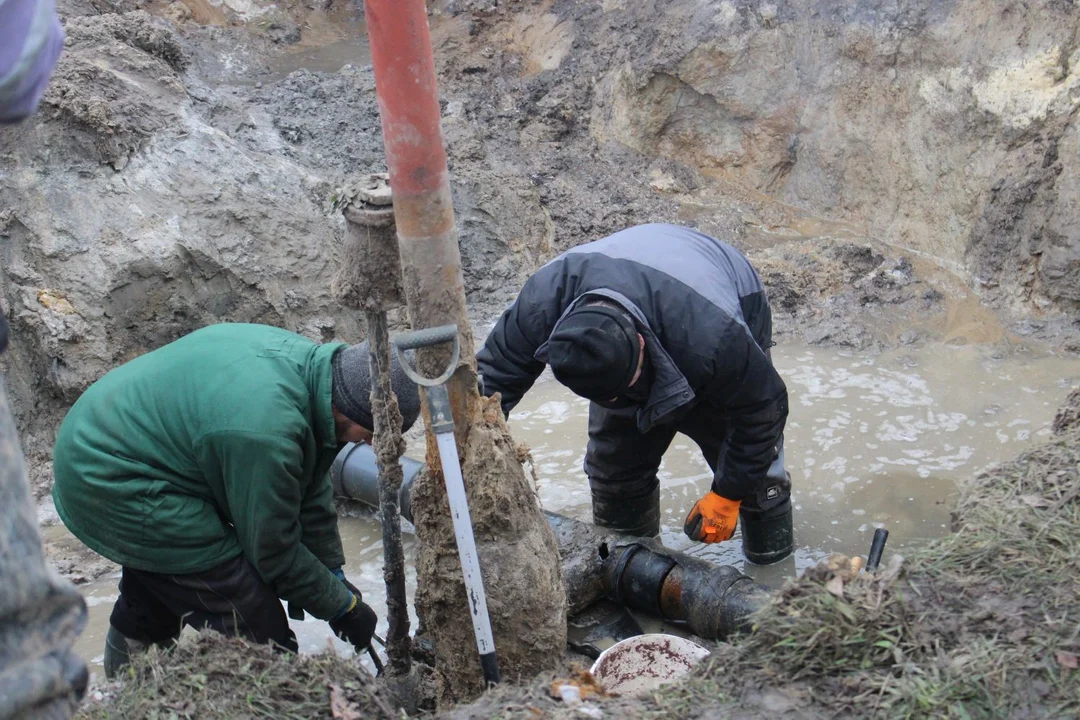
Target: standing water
{"points": [[871, 441]]}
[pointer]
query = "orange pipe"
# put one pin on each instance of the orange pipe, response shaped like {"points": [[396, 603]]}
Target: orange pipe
{"points": [[404, 66], [408, 96]]}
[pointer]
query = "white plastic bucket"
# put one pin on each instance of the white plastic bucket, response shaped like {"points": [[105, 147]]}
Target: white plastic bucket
{"points": [[645, 662]]}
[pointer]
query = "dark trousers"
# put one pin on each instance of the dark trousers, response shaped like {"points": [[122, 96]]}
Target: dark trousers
{"points": [[230, 598], [622, 462]]}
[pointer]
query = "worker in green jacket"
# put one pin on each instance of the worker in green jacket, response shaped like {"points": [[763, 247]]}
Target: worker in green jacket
{"points": [[202, 469]]}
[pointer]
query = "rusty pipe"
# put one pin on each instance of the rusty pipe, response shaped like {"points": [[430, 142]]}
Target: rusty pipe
{"points": [[712, 601]]}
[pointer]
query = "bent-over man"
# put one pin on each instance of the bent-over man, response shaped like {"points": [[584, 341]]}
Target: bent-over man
{"points": [[202, 469], [664, 330]]}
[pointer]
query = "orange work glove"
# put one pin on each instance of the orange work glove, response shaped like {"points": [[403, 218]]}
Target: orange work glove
{"points": [[712, 519]]}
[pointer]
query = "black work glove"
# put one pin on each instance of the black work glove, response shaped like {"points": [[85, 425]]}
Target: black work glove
{"points": [[357, 625]]}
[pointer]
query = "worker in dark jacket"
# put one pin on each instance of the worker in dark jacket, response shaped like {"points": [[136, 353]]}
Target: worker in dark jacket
{"points": [[201, 468], [665, 330]]}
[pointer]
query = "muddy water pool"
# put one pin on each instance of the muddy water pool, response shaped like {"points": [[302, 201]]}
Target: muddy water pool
{"points": [[872, 441]]}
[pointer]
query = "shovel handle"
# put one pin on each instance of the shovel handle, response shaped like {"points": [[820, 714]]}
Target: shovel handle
{"points": [[426, 337]]}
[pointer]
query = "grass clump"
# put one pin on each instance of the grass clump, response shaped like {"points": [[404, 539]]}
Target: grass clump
{"points": [[213, 676]]}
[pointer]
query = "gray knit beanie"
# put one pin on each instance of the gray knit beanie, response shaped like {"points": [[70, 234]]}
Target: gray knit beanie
{"points": [[352, 387]]}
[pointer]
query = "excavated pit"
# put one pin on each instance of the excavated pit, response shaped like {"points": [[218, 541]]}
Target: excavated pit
{"points": [[902, 175]]}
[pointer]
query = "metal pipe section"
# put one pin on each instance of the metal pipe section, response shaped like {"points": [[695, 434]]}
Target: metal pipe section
{"points": [[355, 475], [712, 601]]}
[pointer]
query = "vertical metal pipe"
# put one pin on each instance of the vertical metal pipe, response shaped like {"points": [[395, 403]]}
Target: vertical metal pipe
{"points": [[369, 277], [389, 447], [408, 98], [877, 547]]}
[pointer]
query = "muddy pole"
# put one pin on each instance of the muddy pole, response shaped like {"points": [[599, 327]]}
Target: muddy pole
{"points": [[518, 557], [404, 68], [370, 278]]}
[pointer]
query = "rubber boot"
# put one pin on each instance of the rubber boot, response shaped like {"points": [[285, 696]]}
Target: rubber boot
{"points": [[767, 535], [638, 516], [120, 649]]}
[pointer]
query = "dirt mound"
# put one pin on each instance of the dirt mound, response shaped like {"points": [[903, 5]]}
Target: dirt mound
{"points": [[112, 113], [919, 125], [1068, 416], [215, 676], [131, 219]]}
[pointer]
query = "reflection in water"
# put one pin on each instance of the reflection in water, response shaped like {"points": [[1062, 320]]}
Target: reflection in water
{"points": [[871, 441]]}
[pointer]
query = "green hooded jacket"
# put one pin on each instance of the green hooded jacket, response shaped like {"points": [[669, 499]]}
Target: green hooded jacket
{"points": [[214, 445]]}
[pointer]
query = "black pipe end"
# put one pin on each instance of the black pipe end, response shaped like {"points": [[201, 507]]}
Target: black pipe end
{"points": [[877, 547]]}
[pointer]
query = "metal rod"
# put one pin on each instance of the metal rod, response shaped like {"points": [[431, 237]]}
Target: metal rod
{"points": [[375, 660], [876, 548], [389, 447]]}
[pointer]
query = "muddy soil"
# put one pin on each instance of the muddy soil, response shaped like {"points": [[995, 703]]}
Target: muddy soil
{"points": [[137, 202], [980, 623]]}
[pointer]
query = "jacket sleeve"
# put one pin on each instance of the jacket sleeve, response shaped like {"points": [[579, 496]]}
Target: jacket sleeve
{"points": [[319, 523], [507, 361], [262, 474], [31, 39], [747, 386]]}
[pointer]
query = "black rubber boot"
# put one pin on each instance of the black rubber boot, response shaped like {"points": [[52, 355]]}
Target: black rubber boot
{"points": [[767, 535], [637, 515], [120, 649]]}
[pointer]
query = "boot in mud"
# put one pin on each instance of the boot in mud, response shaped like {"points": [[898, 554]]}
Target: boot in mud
{"points": [[120, 649], [767, 535], [617, 507]]}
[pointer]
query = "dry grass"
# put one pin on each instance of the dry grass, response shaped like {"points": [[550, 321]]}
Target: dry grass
{"points": [[982, 623], [212, 676]]}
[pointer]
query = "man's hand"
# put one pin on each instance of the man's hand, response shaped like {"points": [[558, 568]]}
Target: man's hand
{"points": [[356, 625], [712, 519]]}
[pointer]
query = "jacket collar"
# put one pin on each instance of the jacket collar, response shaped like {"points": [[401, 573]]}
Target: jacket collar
{"points": [[670, 390]]}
